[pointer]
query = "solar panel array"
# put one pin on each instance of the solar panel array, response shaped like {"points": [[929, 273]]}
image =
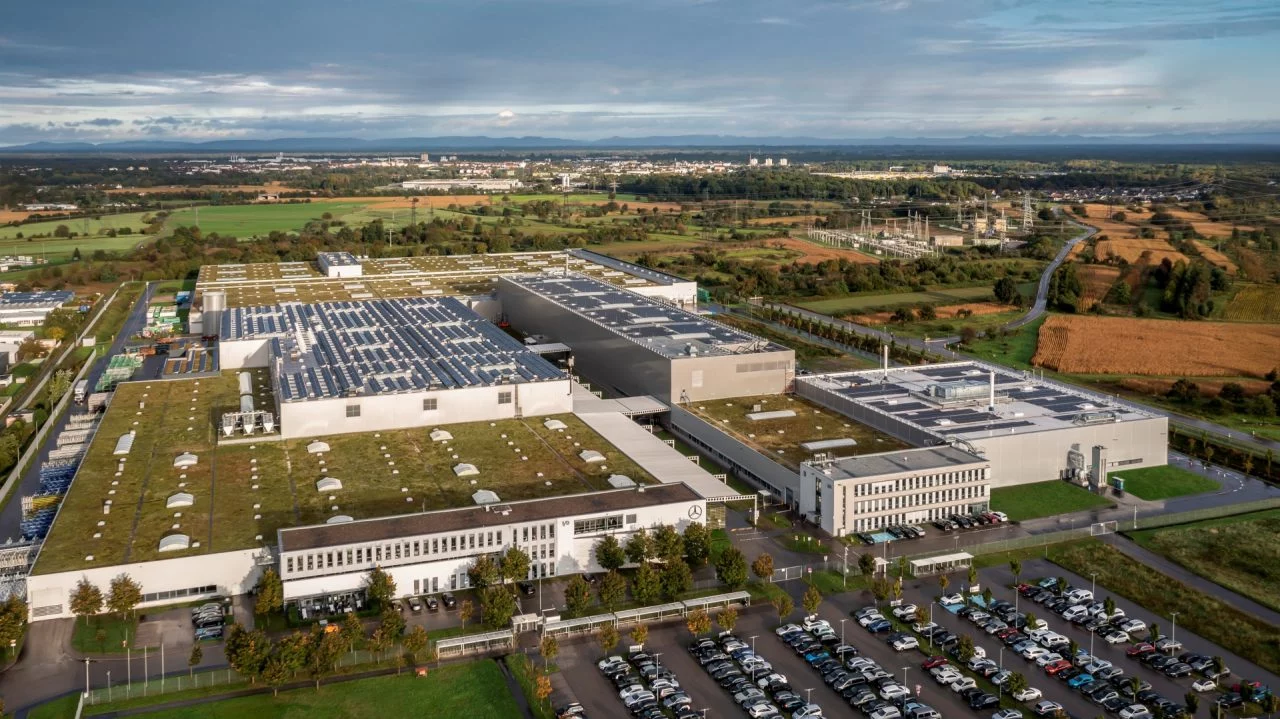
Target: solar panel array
{"points": [[40, 298], [664, 328], [339, 349]]}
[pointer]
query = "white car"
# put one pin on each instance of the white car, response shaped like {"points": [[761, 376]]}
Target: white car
{"points": [[1096, 665], [925, 628], [630, 691], [948, 677], [1003, 518], [784, 630], [869, 619], [906, 611], [889, 712], [610, 662], [762, 710], [1135, 711], [771, 678], [1204, 685], [1132, 625], [1029, 694], [1007, 714], [813, 623], [889, 692], [808, 711], [962, 684], [1034, 653], [1046, 708], [949, 599], [905, 643], [1048, 659], [1116, 637]]}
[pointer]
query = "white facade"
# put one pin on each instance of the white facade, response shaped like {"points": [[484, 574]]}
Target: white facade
{"points": [[163, 581], [846, 500], [430, 553]]}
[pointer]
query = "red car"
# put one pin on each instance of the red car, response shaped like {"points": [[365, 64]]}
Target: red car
{"points": [[934, 661], [1138, 650], [1052, 668], [1006, 633]]}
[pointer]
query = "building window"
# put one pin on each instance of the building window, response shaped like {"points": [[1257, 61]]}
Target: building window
{"points": [[289, 564], [430, 404], [597, 524], [353, 410], [504, 398]]}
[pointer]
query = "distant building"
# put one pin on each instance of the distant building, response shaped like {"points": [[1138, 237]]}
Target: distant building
{"points": [[753, 162], [782, 162], [27, 309], [424, 158], [768, 162]]}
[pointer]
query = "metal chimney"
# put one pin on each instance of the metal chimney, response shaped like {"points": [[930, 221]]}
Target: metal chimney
{"points": [[991, 393], [886, 360]]}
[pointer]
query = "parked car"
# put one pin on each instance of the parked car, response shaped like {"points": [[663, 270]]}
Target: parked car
{"points": [[1204, 685], [449, 601], [1029, 694], [1046, 708], [415, 605]]}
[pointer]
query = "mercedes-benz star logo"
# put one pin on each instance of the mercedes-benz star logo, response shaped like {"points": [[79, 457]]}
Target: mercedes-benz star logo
{"points": [[695, 511]]}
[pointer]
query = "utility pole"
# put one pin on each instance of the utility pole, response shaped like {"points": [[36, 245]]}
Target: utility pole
{"points": [[1028, 220]]}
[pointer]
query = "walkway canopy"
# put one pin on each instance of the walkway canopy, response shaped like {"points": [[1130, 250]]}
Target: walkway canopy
{"points": [[475, 643], [650, 614], [941, 563], [579, 625], [717, 600]]}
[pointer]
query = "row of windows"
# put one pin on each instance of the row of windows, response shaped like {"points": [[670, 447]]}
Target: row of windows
{"points": [[179, 593], [429, 404], [598, 524], [907, 484], [870, 524], [921, 498], [388, 552]]}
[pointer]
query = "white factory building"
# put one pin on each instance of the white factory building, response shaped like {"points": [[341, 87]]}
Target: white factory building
{"points": [[430, 552], [28, 309], [341, 367]]}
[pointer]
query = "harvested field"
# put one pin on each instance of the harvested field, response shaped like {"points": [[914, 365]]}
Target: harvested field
{"points": [[1160, 386], [945, 312], [1100, 217], [7, 216], [1256, 303], [793, 220], [404, 203], [1133, 250], [1116, 345], [1204, 226], [1097, 280], [1215, 257], [813, 252]]}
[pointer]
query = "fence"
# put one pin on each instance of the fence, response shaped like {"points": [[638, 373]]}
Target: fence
{"points": [[1195, 515]]}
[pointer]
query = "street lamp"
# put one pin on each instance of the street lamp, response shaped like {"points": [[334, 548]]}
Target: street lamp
{"points": [[1094, 587], [1001, 658], [808, 695], [904, 675], [1174, 634], [842, 621]]}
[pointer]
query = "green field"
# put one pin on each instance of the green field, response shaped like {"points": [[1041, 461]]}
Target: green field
{"points": [[476, 689], [250, 220], [62, 708], [864, 303], [1044, 499], [951, 327], [1015, 349], [1164, 482], [82, 226], [1241, 553]]}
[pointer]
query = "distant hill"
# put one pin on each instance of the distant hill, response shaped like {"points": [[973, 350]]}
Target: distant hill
{"points": [[480, 142]]}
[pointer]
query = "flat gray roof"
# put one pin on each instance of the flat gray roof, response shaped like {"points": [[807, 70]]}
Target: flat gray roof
{"points": [[337, 259], [902, 461], [951, 400], [413, 344], [658, 326]]}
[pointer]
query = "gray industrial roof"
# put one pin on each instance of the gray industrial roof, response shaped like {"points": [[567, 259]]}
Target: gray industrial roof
{"points": [[1024, 403], [39, 298], [337, 259], [383, 346], [902, 461], [663, 328]]}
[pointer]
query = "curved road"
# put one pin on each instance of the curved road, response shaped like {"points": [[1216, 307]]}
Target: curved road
{"points": [[1042, 291]]}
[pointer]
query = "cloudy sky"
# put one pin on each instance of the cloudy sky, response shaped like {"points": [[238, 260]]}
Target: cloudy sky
{"points": [[117, 70]]}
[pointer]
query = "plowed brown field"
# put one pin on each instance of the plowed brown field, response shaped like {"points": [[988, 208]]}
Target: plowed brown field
{"points": [[813, 252], [1131, 250], [1118, 345], [1215, 257]]}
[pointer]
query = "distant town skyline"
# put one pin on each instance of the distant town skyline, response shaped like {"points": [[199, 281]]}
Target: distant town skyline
{"points": [[590, 69]]}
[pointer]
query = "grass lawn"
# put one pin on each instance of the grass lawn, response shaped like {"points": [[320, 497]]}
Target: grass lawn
{"points": [[1164, 482], [1044, 499], [249, 220], [56, 709], [1234, 630], [475, 689], [946, 327], [84, 638], [1014, 350], [862, 303], [1241, 553]]}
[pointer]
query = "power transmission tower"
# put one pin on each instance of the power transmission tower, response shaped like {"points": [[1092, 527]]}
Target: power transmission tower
{"points": [[1028, 220]]}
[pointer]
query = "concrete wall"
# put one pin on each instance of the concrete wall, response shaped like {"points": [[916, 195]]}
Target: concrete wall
{"points": [[399, 411], [239, 354], [1042, 456], [721, 376], [231, 572]]}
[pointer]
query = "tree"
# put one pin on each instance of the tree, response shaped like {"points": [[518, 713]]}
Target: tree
{"points": [[483, 572], [270, 593], [58, 385], [381, 641], [811, 600], [415, 642], [613, 590], [609, 553], [379, 587], [577, 594], [352, 630], [608, 638], [124, 595], [465, 610], [646, 585], [542, 688], [944, 581], [731, 568], [86, 600], [246, 651], [1109, 606], [1271, 704], [762, 567], [1006, 291], [964, 648], [275, 673], [197, 656], [1015, 566], [986, 596], [728, 618], [100, 638], [515, 564], [1192, 700], [1060, 587], [550, 647], [668, 545], [880, 589], [498, 605], [1031, 619], [784, 606], [1016, 683], [677, 579], [698, 622], [322, 657], [1154, 632], [639, 547], [292, 650], [867, 564], [697, 544], [973, 578]]}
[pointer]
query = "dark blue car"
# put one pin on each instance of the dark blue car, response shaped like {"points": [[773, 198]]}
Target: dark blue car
{"points": [[878, 626]]}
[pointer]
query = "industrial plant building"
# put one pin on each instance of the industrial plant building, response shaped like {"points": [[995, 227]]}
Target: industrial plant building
{"points": [[630, 344], [28, 309]]}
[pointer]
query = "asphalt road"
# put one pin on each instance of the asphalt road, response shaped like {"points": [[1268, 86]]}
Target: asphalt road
{"points": [[1042, 290], [11, 515]]}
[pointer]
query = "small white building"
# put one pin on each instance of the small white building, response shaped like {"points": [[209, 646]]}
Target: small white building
{"points": [[430, 552], [339, 264]]}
